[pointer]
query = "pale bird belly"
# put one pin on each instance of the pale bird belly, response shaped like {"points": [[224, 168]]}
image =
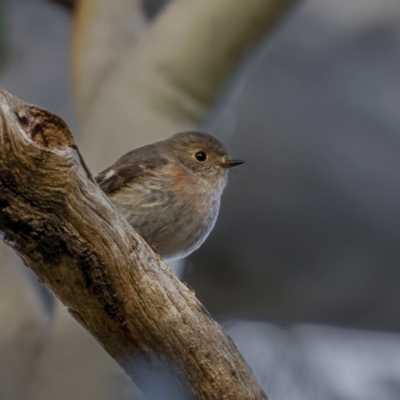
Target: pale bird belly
{"points": [[176, 221], [192, 230], [194, 218]]}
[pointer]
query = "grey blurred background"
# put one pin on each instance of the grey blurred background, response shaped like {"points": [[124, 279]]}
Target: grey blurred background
{"points": [[307, 242], [309, 228]]}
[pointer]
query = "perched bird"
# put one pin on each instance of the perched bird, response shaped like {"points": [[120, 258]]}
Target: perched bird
{"points": [[170, 191]]}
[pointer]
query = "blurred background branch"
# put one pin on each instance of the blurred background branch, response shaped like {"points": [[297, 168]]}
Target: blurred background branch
{"points": [[147, 80]]}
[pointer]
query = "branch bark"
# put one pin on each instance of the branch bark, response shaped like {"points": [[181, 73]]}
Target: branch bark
{"points": [[62, 225]]}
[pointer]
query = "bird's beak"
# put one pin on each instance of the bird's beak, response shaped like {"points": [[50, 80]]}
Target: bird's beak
{"points": [[230, 163]]}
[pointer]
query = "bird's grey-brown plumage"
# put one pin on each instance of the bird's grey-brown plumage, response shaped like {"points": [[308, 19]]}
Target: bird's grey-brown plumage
{"points": [[170, 191]]}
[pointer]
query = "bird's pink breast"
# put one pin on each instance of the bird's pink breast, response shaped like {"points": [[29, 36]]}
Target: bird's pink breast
{"points": [[188, 186]]}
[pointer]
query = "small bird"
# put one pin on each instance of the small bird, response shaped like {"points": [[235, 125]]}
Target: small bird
{"points": [[170, 191]]}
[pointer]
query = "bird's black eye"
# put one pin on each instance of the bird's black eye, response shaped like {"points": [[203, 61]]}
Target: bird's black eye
{"points": [[200, 156]]}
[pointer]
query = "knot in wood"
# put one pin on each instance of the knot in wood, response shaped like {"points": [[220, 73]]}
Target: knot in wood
{"points": [[43, 127]]}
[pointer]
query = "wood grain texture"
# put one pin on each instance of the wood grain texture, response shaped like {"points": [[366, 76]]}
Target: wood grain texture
{"points": [[63, 226]]}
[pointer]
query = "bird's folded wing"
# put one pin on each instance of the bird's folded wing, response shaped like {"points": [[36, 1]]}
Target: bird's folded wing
{"points": [[115, 177]]}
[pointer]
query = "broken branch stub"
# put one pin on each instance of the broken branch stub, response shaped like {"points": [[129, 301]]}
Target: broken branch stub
{"points": [[65, 229]]}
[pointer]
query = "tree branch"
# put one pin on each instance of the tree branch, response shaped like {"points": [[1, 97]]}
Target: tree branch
{"points": [[60, 222]]}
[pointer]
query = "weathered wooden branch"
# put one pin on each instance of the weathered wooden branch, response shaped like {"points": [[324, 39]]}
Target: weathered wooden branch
{"points": [[62, 225]]}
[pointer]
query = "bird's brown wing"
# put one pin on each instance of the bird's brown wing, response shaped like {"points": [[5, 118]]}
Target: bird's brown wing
{"points": [[115, 177], [131, 168]]}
